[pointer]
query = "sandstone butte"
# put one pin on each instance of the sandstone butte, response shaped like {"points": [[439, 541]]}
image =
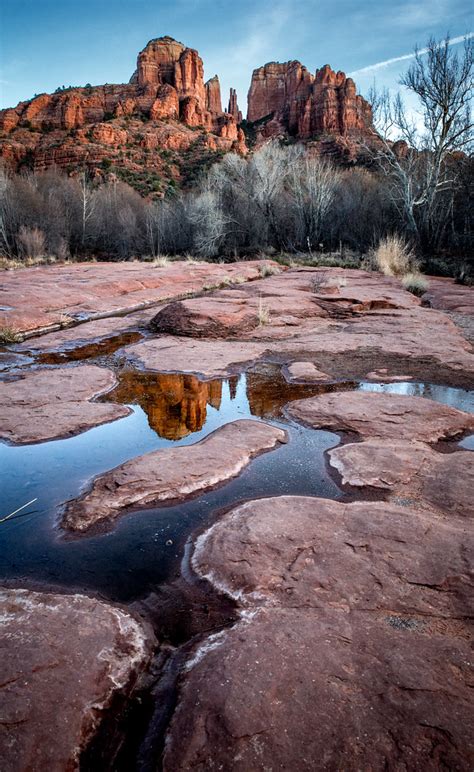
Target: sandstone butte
{"points": [[167, 106], [285, 98], [160, 109]]}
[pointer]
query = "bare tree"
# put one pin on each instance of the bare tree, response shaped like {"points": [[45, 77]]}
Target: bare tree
{"points": [[418, 160], [5, 245], [88, 202], [312, 185], [209, 221]]}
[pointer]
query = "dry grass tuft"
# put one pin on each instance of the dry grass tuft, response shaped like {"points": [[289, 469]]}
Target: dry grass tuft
{"points": [[263, 313], [192, 260], [268, 270], [9, 335], [394, 257], [161, 261], [415, 283]]}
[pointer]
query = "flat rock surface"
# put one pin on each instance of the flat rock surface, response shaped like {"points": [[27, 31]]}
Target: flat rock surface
{"points": [[306, 372], [345, 322], [64, 659], [41, 297], [353, 647], [172, 473], [46, 404], [372, 414], [446, 295], [410, 470], [210, 359], [82, 334]]}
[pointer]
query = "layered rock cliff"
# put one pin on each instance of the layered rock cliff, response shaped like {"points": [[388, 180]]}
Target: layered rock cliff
{"points": [[288, 99], [160, 109], [167, 124]]}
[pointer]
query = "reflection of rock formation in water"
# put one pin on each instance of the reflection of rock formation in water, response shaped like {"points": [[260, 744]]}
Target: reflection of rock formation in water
{"points": [[176, 405], [269, 393]]}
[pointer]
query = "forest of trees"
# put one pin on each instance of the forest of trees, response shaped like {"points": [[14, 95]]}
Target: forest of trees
{"points": [[279, 198]]}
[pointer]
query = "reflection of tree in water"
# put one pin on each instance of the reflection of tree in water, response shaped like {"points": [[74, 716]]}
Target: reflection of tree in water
{"points": [[176, 405]]}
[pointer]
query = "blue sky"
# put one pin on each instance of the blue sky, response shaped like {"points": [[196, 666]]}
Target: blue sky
{"points": [[47, 43]]}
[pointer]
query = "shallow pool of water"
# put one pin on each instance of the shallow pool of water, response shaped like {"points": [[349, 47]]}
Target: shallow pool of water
{"points": [[462, 399], [144, 548], [167, 411]]}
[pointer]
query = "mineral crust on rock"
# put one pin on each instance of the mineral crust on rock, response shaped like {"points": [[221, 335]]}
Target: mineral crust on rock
{"points": [[66, 661]]}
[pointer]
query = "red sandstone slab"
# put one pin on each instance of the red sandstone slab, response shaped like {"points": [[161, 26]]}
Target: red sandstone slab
{"points": [[412, 470], [353, 647], [173, 473], [446, 295], [48, 296], [48, 404], [210, 359], [65, 659], [390, 416], [305, 372]]}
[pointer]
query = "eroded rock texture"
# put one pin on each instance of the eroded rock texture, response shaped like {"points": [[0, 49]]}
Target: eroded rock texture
{"points": [[349, 324], [36, 299], [412, 471], [353, 647], [388, 416], [66, 659]]}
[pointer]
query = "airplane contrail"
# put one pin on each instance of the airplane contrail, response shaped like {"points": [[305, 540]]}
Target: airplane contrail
{"points": [[388, 62]]}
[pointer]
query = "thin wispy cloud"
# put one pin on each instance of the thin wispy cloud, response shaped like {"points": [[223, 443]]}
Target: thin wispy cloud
{"points": [[405, 57]]}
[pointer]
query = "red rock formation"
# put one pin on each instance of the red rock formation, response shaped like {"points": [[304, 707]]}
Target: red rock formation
{"points": [[166, 104], [298, 103], [81, 125], [213, 95], [233, 108], [92, 126]]}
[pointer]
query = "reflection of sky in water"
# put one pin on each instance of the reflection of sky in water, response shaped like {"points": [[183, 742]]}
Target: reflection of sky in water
{"points": [[468, 442], [458, 398], [55, 471], [134, 557]]}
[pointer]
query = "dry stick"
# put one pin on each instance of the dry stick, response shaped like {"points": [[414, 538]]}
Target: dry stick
{"points": [[18, 510]]}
